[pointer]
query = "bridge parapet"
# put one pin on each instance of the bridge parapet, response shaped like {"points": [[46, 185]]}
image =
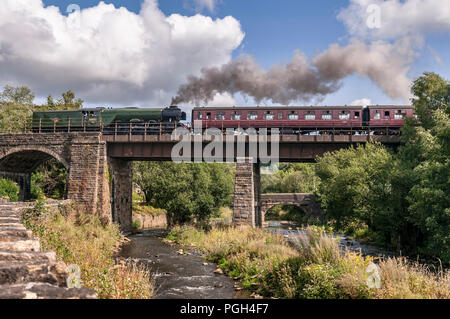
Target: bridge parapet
{"points": [[307, 202]]}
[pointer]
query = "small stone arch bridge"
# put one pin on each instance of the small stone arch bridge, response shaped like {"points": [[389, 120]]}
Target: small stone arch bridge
{"points": [[306, 202]]}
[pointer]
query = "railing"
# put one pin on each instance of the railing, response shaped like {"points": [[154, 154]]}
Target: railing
{"points": [[43, 126], [85, 126]]}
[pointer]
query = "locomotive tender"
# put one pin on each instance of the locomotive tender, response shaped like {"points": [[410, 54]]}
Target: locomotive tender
{"points": [[289, 119]]}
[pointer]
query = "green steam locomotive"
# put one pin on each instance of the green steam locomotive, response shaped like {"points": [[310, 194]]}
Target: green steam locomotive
{"points": [[109, 119]]}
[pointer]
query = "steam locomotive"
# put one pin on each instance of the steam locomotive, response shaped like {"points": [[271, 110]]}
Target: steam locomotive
{"points": [[109, 119]]}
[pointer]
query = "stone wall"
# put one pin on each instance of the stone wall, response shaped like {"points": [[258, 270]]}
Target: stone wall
{"points": [[307, 202], [83, 155], [27, 272], [150, 221]]}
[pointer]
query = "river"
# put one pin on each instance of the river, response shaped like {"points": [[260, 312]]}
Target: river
{"points": [[184, 274], [178, 274]]}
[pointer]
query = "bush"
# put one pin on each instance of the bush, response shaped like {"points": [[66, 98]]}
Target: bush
{"points": [[9, 189]]}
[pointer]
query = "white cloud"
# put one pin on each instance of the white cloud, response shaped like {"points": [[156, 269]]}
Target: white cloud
{"points": [[107, 54], [221, 100], [361, 102], [397, 18]]}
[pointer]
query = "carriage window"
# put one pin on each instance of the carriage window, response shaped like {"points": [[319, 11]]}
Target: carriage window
{"points": [[199, 116], [344, 115], [208, 116], [399, 115], [220, 116], [293, 115], [252, 115], [387, 114], [377, 115], [310, 115], [269, 115], [356, 115], [326, 115], [236, 116], [280, 115]]}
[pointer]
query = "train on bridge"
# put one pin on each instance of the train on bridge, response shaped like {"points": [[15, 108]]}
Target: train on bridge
{"points": [[307, 120]]}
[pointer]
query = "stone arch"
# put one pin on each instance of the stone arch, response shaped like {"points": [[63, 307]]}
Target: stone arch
{"points": [[35, 148], [306, 202], [18, 163]]}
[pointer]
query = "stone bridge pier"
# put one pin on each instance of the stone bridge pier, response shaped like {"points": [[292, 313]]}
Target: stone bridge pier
{"points": [[250, 206]]}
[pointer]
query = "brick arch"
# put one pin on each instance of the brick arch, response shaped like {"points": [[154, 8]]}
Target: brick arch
{"points": [[306, 202]]}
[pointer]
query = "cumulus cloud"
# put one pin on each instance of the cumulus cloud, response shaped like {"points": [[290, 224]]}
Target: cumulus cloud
{"points": [[107, 54], [397, 18]]}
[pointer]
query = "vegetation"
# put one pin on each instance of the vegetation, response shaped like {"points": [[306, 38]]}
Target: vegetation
{"points": [[81, 239], [290, 178], [400, 199], [9, 189], [315, 267], [186, 191], [49, 180]]}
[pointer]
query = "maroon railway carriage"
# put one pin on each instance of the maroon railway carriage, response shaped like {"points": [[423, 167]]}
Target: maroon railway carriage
{"points": [[297, 119]]}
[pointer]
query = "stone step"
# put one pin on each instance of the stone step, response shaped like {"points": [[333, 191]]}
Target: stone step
{"points": [[35, 290], [30, 257], [10, 220], [15, 228], [24, 234], [11, 223], [20, 245], [19, 272]]}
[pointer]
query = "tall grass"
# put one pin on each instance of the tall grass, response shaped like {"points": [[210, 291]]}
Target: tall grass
{"points": [[81, 239], [313, 267]]}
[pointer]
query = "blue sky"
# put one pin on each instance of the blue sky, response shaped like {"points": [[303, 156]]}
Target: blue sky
{"points": [[275, 29]]}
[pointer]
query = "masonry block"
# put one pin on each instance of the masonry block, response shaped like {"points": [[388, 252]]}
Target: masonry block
{"points": [[246, 194]]}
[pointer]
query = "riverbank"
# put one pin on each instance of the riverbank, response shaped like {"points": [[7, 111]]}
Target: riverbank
{"points": [[82, 240], [316, 267]]}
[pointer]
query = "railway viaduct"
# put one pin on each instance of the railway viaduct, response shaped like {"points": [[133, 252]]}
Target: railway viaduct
{"points": [[100, 167]]}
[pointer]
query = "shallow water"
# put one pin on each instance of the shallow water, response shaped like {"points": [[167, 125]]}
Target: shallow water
{"points": [[178, 276], [289, 231]]}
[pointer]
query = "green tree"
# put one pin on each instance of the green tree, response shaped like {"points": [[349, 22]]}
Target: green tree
{"points": [[355, 184], [426, 154], [186, 191], [290, 178], [17, 95]]}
